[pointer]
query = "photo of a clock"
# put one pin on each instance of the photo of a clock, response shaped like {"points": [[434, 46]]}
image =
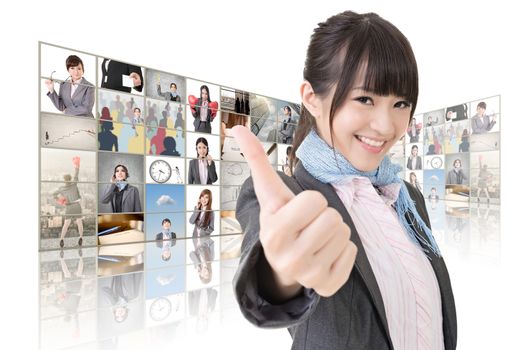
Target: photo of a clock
{"points": [[436, 162], [160, 171], [160, 309]]}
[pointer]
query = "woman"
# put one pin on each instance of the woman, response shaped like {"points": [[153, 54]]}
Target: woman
{"points": [[203, 110], [202, 170], [76, 94], [414, 161], [203, 216], [464, 145], [124, 198], [456, 176], [413, 131], [298, 267], [414, 182], [68, 195]]}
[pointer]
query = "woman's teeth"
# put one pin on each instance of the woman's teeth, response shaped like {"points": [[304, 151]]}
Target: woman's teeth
{"points": [[370, 142]]}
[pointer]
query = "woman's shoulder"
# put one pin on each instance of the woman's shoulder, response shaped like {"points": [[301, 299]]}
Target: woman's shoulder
{"points": [[86, 82]]}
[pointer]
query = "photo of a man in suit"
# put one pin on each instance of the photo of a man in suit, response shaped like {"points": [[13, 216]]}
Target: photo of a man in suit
{"points": [[114, 74], [166, 239]]}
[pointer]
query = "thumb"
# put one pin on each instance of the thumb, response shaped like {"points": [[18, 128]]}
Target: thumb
{"points": [[271, 191]]}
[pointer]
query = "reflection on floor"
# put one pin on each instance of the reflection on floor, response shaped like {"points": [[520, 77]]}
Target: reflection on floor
{"points": [[172, 296]]}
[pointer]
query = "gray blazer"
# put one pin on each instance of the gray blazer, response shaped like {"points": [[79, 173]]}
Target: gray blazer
{"points": [[194, 175], [286, 135], [70, 189], [167, 94], [130, 198], [481, 125], [203, 231], [80, 103], [354, 317]]}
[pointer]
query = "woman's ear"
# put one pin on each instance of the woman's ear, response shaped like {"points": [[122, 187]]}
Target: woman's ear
{"points": [[310, 100]]}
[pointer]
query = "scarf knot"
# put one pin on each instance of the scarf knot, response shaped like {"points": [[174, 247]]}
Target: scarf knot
{"points": [[329, 166]]}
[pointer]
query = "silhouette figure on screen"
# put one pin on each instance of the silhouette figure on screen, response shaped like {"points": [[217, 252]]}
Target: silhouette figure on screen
{"points": [[108, 141], [170, 147]]}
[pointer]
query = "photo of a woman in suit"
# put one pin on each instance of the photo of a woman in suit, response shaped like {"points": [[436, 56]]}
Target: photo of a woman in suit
{"points": [[414, 161], [203, 110], [76, 94], [202, 170], [414, 181], [68, 195], [456, 176], [203, 216], [124, 198]]}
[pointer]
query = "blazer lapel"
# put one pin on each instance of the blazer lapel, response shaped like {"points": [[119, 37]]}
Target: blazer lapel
{"points": [[82, 86], [127, 191], [362, 264]]}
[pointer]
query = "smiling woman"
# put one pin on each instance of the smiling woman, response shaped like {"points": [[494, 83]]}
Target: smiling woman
{"points": [[345, 200], [76, 94]]}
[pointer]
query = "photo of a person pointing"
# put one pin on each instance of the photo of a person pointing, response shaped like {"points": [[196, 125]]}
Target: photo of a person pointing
{"points": [[315, 256]]}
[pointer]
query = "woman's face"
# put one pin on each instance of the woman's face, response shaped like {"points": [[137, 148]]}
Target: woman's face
{"points": [[412, 177], [76, 72], [413, 151], [457, 164], [204, 94], [365, 127], [204, 200], [202, 150], [120, 173], [286, 112]]}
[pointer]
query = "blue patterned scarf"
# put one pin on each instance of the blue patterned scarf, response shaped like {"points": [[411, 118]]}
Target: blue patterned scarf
{"points": [[328, 166]]}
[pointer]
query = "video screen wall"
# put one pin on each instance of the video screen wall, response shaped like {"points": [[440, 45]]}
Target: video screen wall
{"points": [[453, 153], [130, 154]]}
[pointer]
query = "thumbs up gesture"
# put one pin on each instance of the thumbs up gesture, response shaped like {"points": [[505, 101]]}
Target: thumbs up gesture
{"points": [[305, 242]]}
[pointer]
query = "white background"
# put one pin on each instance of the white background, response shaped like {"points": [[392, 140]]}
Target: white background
{"points": [[466, 50]]}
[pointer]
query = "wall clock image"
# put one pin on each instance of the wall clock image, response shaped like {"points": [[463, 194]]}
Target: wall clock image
{"points": [[160, 171], [436, 162], [160, 309]]}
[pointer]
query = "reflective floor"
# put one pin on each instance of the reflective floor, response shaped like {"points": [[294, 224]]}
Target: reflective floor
{"points": [[133, 297]]}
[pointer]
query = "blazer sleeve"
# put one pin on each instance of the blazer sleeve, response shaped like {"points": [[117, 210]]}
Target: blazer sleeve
{"points": [[87, 102], [57, 100], [159, 92], [190, 171], [194, 216], [255, 308], [136, 197], [136, 69], [108, 193], [211, 170]]}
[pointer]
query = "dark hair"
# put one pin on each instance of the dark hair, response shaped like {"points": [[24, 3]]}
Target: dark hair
{"points": [[289, 150], [350, 44], [414, 146], [204, 141], [166, 220], [289, 110], [208, 93], [74, 61], [482, 105], [125, 169], [174, 84], [457, 160], [208, 209], [135, 109]]}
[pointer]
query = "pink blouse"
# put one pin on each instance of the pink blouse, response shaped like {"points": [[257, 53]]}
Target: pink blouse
{"points": [[406, 280]]}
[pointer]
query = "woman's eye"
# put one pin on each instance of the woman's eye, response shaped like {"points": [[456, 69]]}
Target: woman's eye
{"points": [[364, 100], [403, 104]]}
